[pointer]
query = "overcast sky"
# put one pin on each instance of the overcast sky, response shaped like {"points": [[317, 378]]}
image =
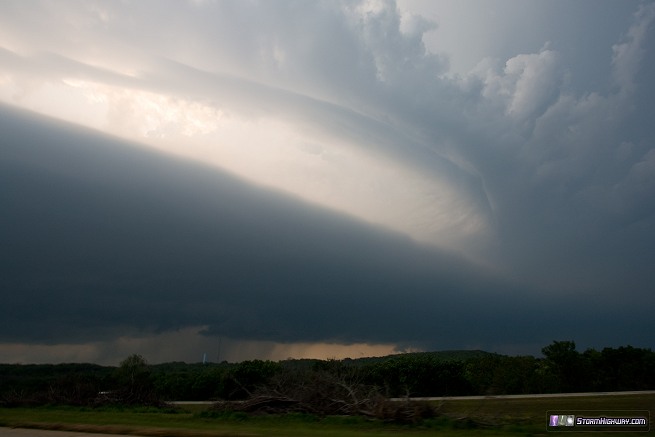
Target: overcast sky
{"points": [[269, 179]]}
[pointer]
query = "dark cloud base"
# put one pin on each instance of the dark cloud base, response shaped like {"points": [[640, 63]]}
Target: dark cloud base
{"points": [[100, 238]]}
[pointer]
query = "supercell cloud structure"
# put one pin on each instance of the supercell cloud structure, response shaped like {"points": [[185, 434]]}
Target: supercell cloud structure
{"points": [[290, 176]]}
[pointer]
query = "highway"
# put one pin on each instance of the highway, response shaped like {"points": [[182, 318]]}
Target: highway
{"points": [[549, 395], [23, 432], [464, 398]]}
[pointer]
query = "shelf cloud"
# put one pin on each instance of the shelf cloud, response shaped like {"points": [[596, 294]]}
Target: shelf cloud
{"points": [[311, 176]]}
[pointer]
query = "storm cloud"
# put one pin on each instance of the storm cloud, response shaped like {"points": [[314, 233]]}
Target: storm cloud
{"points": [[327, 173]]}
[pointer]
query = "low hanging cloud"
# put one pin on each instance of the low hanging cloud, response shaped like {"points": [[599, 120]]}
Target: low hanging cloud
{"points": [[109, 237], [348, 178]]}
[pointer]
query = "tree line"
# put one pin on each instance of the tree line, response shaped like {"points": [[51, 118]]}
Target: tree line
{"points": [[561, 369]]}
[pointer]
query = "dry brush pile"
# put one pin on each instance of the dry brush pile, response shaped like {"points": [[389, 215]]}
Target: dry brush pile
{"points": [[326, 393]]}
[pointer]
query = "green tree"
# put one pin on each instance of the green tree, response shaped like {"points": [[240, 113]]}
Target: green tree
{"points": [[135, 381], [627, 368], [132, 370], [480, 373], [566, 364], [241, 380]]}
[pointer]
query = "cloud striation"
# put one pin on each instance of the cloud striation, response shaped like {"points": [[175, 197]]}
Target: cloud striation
{"points": [[317, 173]]}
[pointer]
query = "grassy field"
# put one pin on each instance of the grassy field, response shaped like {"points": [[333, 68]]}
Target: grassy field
{"points": [[487, 417], [533, 411]]}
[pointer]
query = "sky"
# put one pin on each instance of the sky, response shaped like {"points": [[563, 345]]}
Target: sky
{"points": [[328, 179]]}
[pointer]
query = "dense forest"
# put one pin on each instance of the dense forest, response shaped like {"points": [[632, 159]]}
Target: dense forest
{"points": [[458, 373]]}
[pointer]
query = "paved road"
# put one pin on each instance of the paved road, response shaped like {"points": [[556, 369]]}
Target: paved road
{"points": [[464, 398], [22, 432], [550, 395]]}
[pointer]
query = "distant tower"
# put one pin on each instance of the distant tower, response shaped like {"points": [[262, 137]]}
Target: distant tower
{"points": [[204, 358]]}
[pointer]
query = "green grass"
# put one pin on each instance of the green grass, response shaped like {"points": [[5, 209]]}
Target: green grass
{"points": [[186, 424], [533, 411], [504, 417]]}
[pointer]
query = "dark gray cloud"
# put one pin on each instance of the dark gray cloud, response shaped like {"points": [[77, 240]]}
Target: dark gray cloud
{"points": [[105, 235], [102, 238], [538, 166]]}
